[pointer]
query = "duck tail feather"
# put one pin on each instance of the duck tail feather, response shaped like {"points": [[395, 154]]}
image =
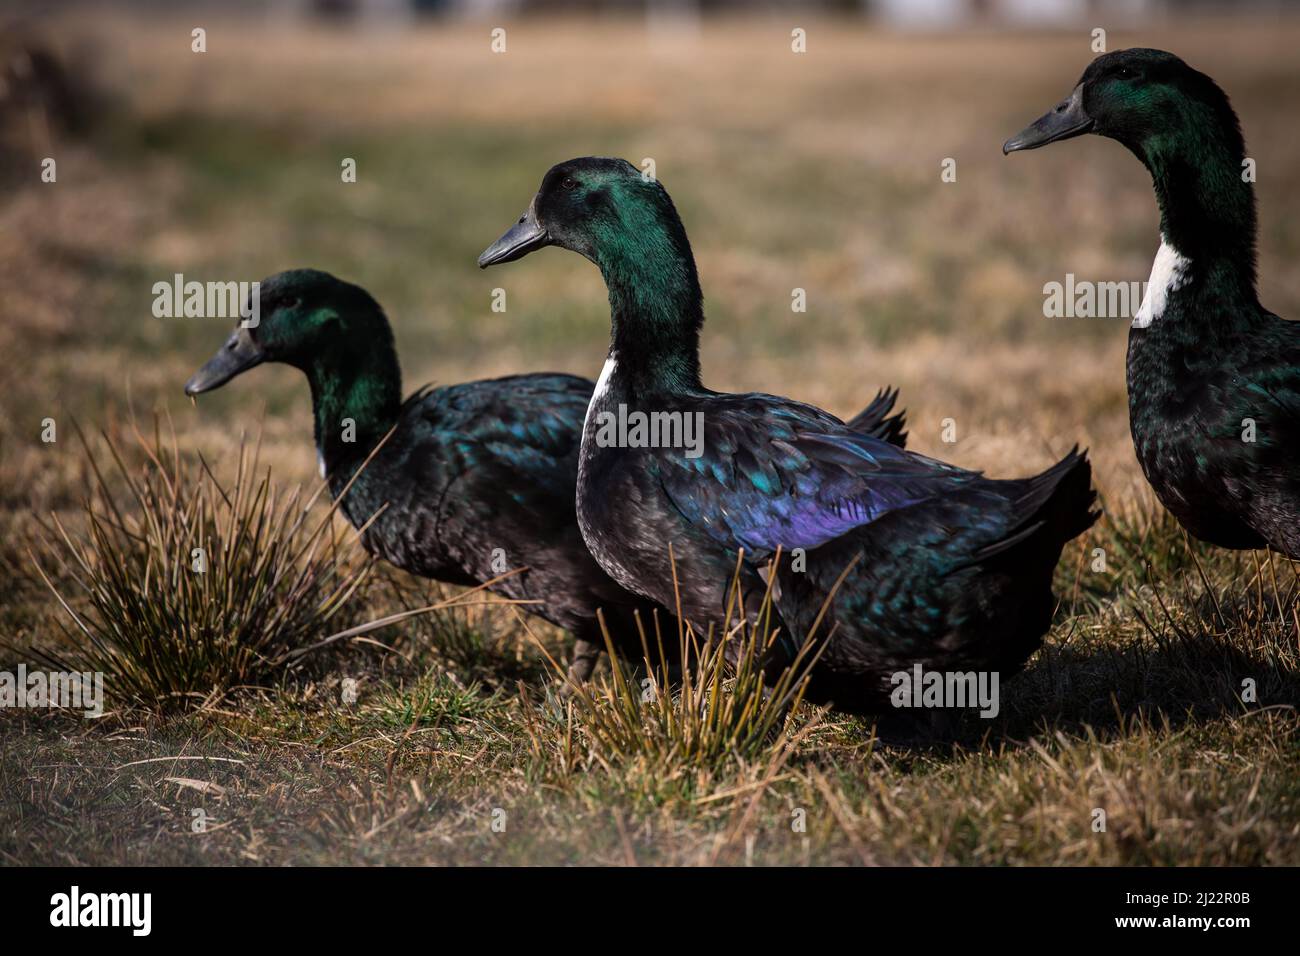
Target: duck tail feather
{"points": [[1055, 506], [875, 420]]}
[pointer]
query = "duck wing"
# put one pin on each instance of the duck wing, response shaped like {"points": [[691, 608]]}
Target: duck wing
{"points": [[1248, 409], [1243, 398], [1275, 377], [520, 431], [777, 473], [476, 467]]}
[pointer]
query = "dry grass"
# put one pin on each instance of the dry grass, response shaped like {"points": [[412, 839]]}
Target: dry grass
{"points": [[187, 587], [820, 172]]}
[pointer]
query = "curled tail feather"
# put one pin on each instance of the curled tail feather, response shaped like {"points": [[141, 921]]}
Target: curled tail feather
{"points": [[875, 420]]}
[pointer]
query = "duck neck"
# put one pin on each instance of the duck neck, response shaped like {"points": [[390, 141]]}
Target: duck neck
{"points": [[356, 396], [1207, 204], [656, 307]]}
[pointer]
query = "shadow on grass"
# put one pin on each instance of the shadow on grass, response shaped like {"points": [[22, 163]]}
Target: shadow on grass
{"points": [[1181, 666]]}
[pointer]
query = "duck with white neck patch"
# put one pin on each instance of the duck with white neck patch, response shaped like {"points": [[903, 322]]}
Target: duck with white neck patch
{"points": [[913, 561], [1168, 273], [1213, 376]]}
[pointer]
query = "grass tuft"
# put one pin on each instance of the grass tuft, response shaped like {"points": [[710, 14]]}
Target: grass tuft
{"points": [[676, 724], [187, 589]]}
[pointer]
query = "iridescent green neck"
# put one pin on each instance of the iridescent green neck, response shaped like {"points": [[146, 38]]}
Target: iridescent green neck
{"points": [[356, 392], [656, 307], [1207, 204]]}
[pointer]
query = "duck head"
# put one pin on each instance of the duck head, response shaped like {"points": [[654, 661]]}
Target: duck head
{"points": [[305, 315], [591, 206], [1179, 123], [624, 222], [1148, 100]]}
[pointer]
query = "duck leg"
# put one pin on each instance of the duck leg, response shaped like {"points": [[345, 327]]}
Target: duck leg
{"points": [[585, 655]]}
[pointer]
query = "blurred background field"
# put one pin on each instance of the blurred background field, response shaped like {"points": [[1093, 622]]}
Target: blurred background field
{"points": [[819, 170]]}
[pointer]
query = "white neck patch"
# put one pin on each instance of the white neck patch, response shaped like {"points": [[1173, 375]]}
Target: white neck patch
{"points": [[602, 384], [1169, 273]]}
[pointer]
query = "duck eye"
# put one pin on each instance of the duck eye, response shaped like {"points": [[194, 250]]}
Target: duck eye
{"points": [[293, 303], [569, 183], [1124, 72]]}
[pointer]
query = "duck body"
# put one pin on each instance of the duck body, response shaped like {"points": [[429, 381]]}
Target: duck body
{"points": [[946, 569], [915, 561], [1216, 422], [462, 484], [1213, 377], [478, 479]]}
